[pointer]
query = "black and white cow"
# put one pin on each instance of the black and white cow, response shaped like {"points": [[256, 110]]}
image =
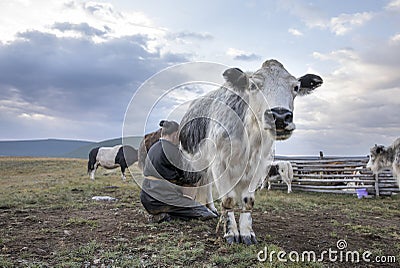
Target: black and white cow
{"points": [[112, 157], [228, 135], [382, 157], [279, 170]]}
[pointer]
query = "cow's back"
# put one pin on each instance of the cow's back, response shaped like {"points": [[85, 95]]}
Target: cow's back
{"points": [[106, 156], [219, 112]]}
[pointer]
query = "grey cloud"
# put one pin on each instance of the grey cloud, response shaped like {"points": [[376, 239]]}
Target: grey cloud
{"points": [[74, 78], [348, 125], [191, 35], [93, 8], [247, 57], [383, 54], [70, 4], [174, 58], [83, 28], [355, 108]]}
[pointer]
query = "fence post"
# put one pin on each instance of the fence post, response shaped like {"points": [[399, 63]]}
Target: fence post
{"points": [[376, 185]]}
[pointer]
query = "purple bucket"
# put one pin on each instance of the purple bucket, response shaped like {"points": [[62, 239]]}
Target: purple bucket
{"points": [[362, 192]]}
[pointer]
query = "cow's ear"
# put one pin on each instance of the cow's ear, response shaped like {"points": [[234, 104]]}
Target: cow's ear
{"points": [[379, 149], [308, 83], [236, 78]]}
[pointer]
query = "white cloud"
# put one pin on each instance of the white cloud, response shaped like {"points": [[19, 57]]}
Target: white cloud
{"points": [[37, 117], [295, 32], [355, 104], [314, 17], [395, 39], [346, 22], [393, 5], [238, 54], [309, 13], [17, 17]]}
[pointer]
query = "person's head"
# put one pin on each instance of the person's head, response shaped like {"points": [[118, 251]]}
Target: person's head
{"points": [[169, 131]]}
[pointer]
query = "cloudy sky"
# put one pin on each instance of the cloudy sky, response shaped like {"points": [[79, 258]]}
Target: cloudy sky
{"points": [[68, 69]]}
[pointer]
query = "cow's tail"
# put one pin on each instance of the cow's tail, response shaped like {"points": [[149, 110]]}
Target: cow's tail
{"points": [[92, 159]]}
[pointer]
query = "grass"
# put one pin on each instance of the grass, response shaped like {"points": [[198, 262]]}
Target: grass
{"points": [[44, 182], [47, 219], [80, 221]]}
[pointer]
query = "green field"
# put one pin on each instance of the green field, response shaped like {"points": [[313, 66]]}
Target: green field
{"points": [[48, 219]]}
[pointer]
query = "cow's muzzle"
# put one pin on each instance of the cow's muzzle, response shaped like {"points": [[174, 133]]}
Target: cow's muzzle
{"points": [[283, 120]]}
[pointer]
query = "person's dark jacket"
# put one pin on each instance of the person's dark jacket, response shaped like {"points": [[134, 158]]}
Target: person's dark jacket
{"points": [[164, 158]]}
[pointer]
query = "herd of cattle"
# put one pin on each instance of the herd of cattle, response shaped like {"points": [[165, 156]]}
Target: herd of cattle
{"points": [[228, 135]]}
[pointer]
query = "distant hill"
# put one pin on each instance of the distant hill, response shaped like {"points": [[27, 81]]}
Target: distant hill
{"points": [[46, 148], [83, 151], [58, 148]]}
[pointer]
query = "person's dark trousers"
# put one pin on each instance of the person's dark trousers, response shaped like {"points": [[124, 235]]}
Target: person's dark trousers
{"points": [[159, 197]]}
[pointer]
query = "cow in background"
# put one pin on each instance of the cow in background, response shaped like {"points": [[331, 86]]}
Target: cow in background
{"points": [[279, 170], [111, 157], [148, 140], [382, 157]]}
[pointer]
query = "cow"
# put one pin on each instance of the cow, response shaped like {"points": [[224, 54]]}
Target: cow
{"points": [[228, 136], [382, 157], [148, 140], [112, 157], [279, 170]]}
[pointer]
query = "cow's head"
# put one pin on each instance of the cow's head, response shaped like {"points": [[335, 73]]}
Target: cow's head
{"points": [[378, 158], [271, 91]]}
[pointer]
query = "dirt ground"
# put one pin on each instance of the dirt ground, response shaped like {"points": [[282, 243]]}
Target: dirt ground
{"points": [[47, 219], [43, 233]]}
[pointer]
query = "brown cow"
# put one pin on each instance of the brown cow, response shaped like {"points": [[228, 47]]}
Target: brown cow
{"points": [[147, 142]]}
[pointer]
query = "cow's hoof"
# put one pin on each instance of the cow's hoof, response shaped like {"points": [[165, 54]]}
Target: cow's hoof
{"points": [[215, 212], [213, 209], [232, 239], [248, 239]]}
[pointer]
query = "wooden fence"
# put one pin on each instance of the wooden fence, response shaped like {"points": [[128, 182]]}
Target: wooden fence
{"points": [[337, 175]]}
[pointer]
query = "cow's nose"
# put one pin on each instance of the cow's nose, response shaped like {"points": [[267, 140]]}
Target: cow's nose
{"points": [[282, 117]]}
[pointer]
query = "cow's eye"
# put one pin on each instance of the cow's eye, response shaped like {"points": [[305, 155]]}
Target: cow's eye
{"points": [[296, 89]]}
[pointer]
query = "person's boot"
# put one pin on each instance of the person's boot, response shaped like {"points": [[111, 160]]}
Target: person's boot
{"points": [[158, 218]]}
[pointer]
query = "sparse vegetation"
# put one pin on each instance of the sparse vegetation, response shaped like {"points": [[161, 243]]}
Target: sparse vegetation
{"points": [[48, 219]]}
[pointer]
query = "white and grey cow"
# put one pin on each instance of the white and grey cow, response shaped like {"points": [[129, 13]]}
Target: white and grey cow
{"points": [[228, 134], [382, 157], [279, 170], [112, 157]]}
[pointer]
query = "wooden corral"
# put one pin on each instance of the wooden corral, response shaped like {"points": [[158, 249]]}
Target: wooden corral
{"points": [[341, 175]]}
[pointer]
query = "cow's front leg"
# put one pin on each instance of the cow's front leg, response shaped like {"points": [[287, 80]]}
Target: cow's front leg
{"points": [[93, 171], [211, 207], [210, 200], [396, 168], [231, 232], [92, 174], [247, 234], [289, 189], [123, 172]]}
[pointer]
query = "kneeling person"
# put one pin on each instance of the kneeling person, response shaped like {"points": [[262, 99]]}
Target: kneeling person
{"points": [[161, 196]]}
